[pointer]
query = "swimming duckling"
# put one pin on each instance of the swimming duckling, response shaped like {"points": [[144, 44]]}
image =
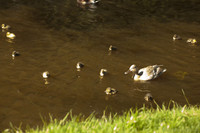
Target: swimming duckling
{"points": [[176, 37], [79, 65], [191, 40], [15, 53], [147, 73], [84, 2], [5, 27], [112, 48], [10, 35], [110, 91], [45, 74], [148, 97], [103, 72]]}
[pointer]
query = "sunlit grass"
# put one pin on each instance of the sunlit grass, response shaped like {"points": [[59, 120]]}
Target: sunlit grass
{"points": [[163, 119]]}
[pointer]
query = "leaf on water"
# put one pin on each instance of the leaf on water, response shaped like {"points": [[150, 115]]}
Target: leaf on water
{"points": [[180, 75]]}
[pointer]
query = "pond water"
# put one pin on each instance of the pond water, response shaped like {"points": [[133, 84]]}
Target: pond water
{"points": [[54, 35]]}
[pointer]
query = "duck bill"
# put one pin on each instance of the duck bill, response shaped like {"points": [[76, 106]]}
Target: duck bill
{"points": [[127, 72]]}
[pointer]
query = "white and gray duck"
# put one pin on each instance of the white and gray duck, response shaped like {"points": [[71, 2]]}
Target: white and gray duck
{"points": [[146, 73]]}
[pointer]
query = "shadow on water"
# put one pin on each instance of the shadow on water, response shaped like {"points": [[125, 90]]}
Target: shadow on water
{"points": [[63, 14], [54, 35]]}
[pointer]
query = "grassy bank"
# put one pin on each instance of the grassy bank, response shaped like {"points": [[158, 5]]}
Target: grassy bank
{"points": [[177, 119]]}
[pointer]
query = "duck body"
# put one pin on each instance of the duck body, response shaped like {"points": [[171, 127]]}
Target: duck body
{"points": [[79, 65], [176, 37], [45, 74], [110, 91], [146, 73], [15, 53], [112, 48], [148, 97], [191, 40], [10, 35]]}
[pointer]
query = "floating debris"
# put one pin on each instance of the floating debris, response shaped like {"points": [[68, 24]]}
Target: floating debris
{"points": [[148, 97], [79, 65], [191, 40], [110, 91], [10, 35], [176, 37], [103, 72], [84, 2], [5, 27], [15, 53], [112, 48], [45, 74]]}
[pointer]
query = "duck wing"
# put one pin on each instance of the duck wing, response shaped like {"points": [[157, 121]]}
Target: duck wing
{"points": [[151, 72], [146, 73], [158, 70]]}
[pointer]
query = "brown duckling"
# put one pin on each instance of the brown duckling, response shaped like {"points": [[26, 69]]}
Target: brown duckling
{"points": [[84, 2], [110, 91]]}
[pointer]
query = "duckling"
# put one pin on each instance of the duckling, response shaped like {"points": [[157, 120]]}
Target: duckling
{"points": [[191, 40], [147, 73], [103, 72], [45, 74], [176, 37], [10, 35], [148, 97], [5, 27], [110, 91], [79, 65], [15, 53], [112, 48], [84, 2]]}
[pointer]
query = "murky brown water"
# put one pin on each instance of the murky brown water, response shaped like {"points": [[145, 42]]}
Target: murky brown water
{"points": [[54, 36]]}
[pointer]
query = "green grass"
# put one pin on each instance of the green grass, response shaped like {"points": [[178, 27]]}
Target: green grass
{"points": [[185, 119]]}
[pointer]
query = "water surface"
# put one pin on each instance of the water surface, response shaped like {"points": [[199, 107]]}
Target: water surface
{"points": [[55, 35]]}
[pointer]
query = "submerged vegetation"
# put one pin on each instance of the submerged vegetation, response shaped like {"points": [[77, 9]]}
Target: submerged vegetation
{"points": [[173, 118]]}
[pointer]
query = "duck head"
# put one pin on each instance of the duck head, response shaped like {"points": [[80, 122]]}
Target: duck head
{"points": [[132, 68]]}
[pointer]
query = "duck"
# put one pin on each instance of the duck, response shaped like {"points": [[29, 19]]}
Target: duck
{"points": [[84, 2], [191, 40], [146, 73], [10, 35], [15, 53], [176, 37], [103, 72], [112, 48], [148, 97], [5, 27], [45, 74], [110, 91], [79, 65]]}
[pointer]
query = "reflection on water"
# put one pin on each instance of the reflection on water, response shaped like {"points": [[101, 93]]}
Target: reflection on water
{"points": [[54, 35]]}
